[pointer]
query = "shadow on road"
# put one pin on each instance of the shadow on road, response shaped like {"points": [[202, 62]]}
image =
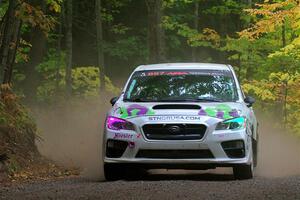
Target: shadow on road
{"points": [[208, 175], [194, 177]]}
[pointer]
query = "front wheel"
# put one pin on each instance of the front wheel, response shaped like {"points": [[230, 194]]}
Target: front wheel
{"points": [[112, 172], [243, 172]]}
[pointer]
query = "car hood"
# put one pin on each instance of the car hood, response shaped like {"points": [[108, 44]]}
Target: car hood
{"points": [[218, 110]]}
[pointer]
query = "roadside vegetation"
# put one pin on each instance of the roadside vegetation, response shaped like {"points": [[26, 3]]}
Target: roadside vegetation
{"points": [[54, 50]]}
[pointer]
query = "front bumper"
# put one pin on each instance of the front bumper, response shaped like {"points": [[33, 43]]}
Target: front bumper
{"points": [[211, 141]]}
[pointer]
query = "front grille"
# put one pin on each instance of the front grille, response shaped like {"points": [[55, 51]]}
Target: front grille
{"points": [[174, 131], [175, 154]]}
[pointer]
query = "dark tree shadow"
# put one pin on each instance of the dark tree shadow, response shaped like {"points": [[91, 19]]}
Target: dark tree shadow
{"points": [[181, 175]]}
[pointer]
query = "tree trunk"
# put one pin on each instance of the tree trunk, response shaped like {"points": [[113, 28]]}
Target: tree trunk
{"points": [[69, 47], [283, 34], [196, 27], [99, 42], [59, 39], [156, 37], [8, 68], [239, 66], [38, 40], [9, 42], [285, 111], [6, 31], [250, 68], [248, 2]]}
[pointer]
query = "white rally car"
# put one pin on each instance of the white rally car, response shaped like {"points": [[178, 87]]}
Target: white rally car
{"points": [[181, 115]]}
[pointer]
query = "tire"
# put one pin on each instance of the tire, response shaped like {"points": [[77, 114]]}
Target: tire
{"points": [[255, 152], [112, 172], [135, 173], [243, 172]]}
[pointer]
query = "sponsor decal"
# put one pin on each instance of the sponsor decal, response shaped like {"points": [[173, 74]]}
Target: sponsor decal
{"points": [[123, 136], [182, 72], [127, 136], [221, 111], [169, 73], [172, 118], [135, 110]]}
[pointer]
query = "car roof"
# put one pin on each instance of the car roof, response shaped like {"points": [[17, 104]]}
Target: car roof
{"points": [[178, 66]]}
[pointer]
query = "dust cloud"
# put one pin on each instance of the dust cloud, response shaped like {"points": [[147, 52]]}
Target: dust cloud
{"points": [[72, 136], [279, 151]]}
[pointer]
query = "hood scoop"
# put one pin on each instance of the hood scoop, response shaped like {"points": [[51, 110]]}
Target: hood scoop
{"points": [[176, 106]]}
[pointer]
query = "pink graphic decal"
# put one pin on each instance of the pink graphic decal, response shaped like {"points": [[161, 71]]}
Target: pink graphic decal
{"points": [[202, 112], [234, 113], [220, 114], [139, 135], [142, 109]]}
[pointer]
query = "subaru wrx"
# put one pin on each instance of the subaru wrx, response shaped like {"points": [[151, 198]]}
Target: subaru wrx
{"points": [[181, 115]]}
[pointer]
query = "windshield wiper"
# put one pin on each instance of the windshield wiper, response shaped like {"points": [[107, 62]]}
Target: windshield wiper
{"points": [[174, 100], [209, 99], [137, 100], [190, 100]]}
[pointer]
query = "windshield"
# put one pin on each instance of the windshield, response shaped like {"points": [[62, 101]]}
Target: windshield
{"points": [[183, 85]]}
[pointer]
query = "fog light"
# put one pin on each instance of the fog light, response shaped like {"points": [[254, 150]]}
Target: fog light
{"points": [[239, 144], [110, 144], [115, 148], [234, 149]]}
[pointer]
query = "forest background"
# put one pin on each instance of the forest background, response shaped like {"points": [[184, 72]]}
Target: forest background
{"points": [[55, 50]]}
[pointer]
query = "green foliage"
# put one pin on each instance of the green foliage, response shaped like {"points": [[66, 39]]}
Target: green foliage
{"points": [[16, 125], [23, 51], [18, 132], [85, 83], [35, 17], [208, 37], [3, 8], [251, 55], [55, 5], [226, 7], [126, 48], [279, 90], [85, 79], [261, 41], [288, 57], [13, 165]]}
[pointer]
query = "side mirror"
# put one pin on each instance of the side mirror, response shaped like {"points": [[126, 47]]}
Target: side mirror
{"points": [[114, 100], [249, 101]]}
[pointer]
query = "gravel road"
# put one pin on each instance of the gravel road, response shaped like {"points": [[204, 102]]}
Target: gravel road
{"points": [[192, 185], [279, 157]]}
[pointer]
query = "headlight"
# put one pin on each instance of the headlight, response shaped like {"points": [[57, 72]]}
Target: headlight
{"points": [[115, 123], [232, 124]]}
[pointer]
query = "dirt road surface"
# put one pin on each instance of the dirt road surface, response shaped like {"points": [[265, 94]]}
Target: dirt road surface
{"points": [[164, 185], [72, 139]]}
